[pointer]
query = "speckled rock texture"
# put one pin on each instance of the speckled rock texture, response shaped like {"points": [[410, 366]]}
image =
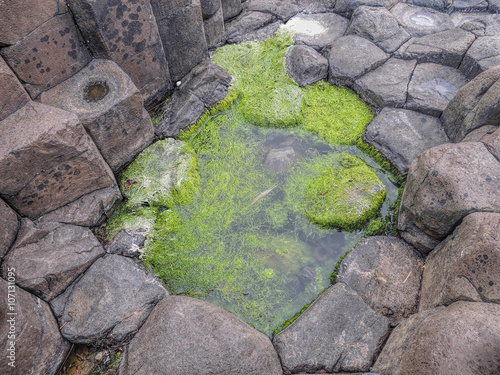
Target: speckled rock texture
{"points": [[9, 223]]}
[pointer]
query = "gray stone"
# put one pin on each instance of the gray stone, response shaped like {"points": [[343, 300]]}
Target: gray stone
{"points": [[338, 332], [352, 56], [477, 135], [347, 7], [445, 184], [385, 272], [446, 48], [436, 4], [470, 5], [124, 294], [464, 267], [13, 95], [305, 66], [39, 347], [492, 143], [214, 29], [110, 107], [50, 256], [379, 26], [481, 56], [209, 8], [432, 86], [127, 242], [187, 336], [386, 86], [9, 224], [461, 339], [279, 160], [250, 26], [286, 9], [401, 135], [231, 8], [420, 21]]}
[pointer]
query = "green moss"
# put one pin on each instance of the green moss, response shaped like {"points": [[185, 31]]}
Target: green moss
{"points": [[333, 276], [380, 159]]}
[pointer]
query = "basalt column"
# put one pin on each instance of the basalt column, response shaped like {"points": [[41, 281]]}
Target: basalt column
{"points": [[213, 21]]}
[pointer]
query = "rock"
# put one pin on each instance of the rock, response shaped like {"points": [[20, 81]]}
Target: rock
{"points": [[464, 266], [432, 86], [387, 85], [127, 242], [338, 332], [492, 143], [202, 88], [305, 66], [349, 6], [286, 9], [39, 348], [250, 26], [9, 224], [49, 165], [231, 8], [13, 96], [385, 272], [461, 339], [209, 8], [474, 105], [479, 134], [441, 5], [214, 29], [352, 56], [445, 184], [379, 26], [187, 336], [278, 160], [124, 293], [180, 24], [50, 256], [402, 135], [420, 21], [445, 48], [470, 5], [110, 107], [481, 56], [48, 55]]}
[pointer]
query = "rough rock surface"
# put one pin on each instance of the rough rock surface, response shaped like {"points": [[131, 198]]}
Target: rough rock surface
{"points": [[305, 66], [347, 7], [9, 224], [492, 143], [231, 8], [401, 135], [445, 184], [385, 272], [420, 21], [209, 7], [127, 242], [278, 160], [125, 294], [13, 96], [39, 347], [285, 9], [338, 332], [214, 29], [481, 56], [187, 336], [49, 256], [250, 26], [477, 135]]}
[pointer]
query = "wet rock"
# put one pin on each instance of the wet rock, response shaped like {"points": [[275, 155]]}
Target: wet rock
{"points": [[352, 56], [231, 8], [13, 96], [110, 107], [461, 339], [386, 86], [445, 184], [305, 66], [338, 332], [432, 86], [464, 266], [50, 256], [9, 224], [420, 21], [127, 242], [278, 160], [214, 29], [402, 135], [187, 336], [48, 55], [378, 25], [49, 165], [125, 294], [385, 272], [209, 8], [250, 26], [481, 56], [39, 347]]}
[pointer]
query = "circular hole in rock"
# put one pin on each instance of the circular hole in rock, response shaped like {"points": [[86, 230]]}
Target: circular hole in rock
{"points": [[95, 91]]}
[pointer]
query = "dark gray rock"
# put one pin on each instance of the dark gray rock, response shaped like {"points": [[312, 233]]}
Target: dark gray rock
{"points": [[305, 66], [203, 87], [352, 56], [9, 224], [13, 95], [338, 332], [231, 8], [50, 256], [445, 184], [39, 348], [250, 26], [286, 9], [470, 5], [420, 21], [379, 26], [210, 7], [386, 86], [436, 4], [477, 135], [127, 242], [187, 336], [279, 160], [385, 272], [481, 56], [347, 7], [214, 29], [432, 86], [401, 135]]}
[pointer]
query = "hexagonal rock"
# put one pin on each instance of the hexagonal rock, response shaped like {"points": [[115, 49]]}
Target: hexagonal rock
{"points": [[110, 301], [435, 4], [481, 56], [470, 5], [110, 108], [352, 56], [214, 29], [39, 347], [250, 26], [338, 332], [461, 339], [49, 256], [474, 105], [209, 7], [445, 48], [13, 96], [420, 21], [127, 242], [401, 135], [379, 26], [445, 184], [386, 86], [286, 9], [347, 7], [49, 165], [230, 8], [187, 336], [305, 66], [464, 267], [385, 272], [48, 55], [9, 224], [432, 86]]}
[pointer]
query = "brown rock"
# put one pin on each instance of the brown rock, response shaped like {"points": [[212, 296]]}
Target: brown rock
{"points": [[492, 143], [479, 134], [13, 96], [9, 224]]}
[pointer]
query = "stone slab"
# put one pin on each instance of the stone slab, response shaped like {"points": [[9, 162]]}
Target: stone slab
{"points": [[10, 224], [420, 21], [13, 95]]}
